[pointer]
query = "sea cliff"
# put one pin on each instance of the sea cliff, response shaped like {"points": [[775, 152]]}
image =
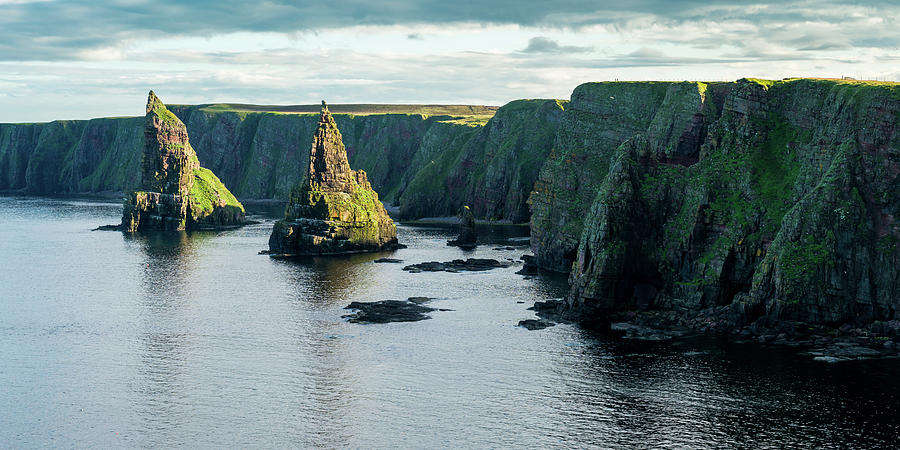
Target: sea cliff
{"points": [[753, 201]]}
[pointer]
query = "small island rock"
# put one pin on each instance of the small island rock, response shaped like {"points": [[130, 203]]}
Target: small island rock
{"points": [[176, 193], [467, 236], [334, 210]]}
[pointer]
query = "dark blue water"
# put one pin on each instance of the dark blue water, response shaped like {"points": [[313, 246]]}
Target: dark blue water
{"points": [[194, 340]]}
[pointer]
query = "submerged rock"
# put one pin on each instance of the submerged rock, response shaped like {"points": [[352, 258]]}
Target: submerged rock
{"points": [[457, 265], [334, 210], [176, 193], [467, 238], [386, 311], [388, 260]]}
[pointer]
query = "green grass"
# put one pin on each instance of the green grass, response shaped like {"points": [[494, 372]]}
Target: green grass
{"points": [[356, 109], [208, 193], [775, 170]]}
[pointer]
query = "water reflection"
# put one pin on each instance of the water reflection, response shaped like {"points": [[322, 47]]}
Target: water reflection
{"points": [[165, 338], [319, 286], [324, 281], [198, 341]]}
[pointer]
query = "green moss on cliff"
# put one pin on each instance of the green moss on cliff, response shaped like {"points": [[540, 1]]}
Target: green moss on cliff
{"points": [[208, 194]]}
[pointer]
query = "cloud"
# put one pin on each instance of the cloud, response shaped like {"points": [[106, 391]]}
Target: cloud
{"points": [[545, 45], [102, 56], [61, 30]]}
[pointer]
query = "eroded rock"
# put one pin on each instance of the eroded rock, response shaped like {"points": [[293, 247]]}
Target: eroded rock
{"points": [[457, 265], [535, 324], [334, 209], [387, 311], [468, 237], [176, 193], [388, 260]]}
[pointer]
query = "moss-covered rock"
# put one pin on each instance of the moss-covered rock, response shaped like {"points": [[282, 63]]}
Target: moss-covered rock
{"points": [[492, 168], [334, 209], [597, 120], [176, 193], [783, 210]]}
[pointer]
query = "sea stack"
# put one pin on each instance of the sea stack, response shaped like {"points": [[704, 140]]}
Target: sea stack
{"points": [[467, 238], [176, 193], [334, 210]]}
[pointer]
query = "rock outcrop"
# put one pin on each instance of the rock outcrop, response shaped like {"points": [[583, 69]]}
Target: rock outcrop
{"points": [[176, 193], [468, 237], [334, 209], [422, 162], [759, 203]]}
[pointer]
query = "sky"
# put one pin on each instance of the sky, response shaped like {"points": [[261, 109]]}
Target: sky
{"points": [[73, 59]]}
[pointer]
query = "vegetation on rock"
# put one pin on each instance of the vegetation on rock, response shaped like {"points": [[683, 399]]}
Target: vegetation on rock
{"points": [[334, 209], [777, 206], [176, 193]]}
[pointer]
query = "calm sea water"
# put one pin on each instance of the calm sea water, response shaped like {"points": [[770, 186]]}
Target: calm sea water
{"points": [[194, 340]]}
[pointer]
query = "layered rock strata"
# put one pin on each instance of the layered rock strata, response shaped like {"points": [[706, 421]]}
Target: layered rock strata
{"points": [[748, 203], [334, 209], [176, 193]]}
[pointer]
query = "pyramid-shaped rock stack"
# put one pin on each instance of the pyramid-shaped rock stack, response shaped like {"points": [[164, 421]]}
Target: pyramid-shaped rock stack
{"points": [[334, 210], [176, 193]]}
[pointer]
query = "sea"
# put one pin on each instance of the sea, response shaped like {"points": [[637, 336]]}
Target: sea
{"points": [[172, 340]]}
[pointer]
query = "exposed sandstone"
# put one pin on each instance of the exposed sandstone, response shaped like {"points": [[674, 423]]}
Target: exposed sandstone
{"points": [[334, 209], [176, 193]]}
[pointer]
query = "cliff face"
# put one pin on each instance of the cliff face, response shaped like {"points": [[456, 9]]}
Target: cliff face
{"points": [[599, 118], [413, 159], [773, 201], [492, 168], [334, 209]]}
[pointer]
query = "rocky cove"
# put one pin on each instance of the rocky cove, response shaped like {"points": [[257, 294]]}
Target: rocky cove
{"points": [[755, 207]]}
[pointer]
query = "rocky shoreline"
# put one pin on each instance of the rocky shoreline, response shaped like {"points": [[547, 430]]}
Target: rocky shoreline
{"points": [[824, 343]]}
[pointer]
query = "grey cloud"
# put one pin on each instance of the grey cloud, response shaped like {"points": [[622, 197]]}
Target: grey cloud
{"points": [[61, 30], [645, 53], [544, 45]]}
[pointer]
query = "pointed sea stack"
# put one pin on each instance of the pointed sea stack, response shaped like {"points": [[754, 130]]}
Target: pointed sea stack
{"points": [[334, 210], [468, 238], [176, 193]]}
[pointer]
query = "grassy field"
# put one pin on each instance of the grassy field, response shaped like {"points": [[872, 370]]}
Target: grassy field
{"points": [[359, 109]]}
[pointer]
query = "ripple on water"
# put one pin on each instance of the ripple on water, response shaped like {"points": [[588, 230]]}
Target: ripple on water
{"points": [[194, 340]]}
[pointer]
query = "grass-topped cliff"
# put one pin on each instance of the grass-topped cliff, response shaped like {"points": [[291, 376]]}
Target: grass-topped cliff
{"points": [[772, 200], [354, 109], [756, 198], [255, 151]]}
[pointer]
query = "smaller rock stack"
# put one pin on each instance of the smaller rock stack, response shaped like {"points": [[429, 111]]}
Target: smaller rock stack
{"points": [[176, 193], [467, 236], [334, 210]]}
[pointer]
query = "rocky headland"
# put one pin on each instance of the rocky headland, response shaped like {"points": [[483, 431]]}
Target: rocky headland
{"points": [[756, 207], [764, 209], [176, 193], [334, 210]]}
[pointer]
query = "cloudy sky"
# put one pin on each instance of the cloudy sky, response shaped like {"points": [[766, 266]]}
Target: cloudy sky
{"points": [[80, 59]]}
